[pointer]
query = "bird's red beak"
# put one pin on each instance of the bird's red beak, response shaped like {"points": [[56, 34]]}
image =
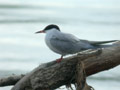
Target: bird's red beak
{"points": [[42, 31]]}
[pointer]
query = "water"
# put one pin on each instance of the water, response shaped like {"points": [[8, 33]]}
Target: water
{"points": [[21, 50]]}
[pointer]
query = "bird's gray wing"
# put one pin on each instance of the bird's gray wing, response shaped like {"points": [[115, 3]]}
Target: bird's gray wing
{"points": [[68, 38], [65, 43]]}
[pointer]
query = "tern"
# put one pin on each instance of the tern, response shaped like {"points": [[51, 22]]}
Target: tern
{"points": [[64, 43]]}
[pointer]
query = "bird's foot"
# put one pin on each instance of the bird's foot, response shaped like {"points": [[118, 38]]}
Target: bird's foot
{"points": [[59, 60]]}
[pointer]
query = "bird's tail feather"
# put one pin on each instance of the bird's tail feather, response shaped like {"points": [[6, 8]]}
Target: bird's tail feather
{"points": [[101, 42], [102, 46]]}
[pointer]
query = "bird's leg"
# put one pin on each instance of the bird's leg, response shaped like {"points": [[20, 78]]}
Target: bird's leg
{"points": [[60, 59]]}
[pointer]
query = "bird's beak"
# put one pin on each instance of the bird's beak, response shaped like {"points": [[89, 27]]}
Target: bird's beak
{"points": [[42, 31]]}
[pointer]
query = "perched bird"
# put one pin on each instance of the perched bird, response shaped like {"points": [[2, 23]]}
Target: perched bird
{"points": [[64, 43]]}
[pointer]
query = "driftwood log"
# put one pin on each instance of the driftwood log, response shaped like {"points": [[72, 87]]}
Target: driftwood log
{"points": [[74, 69]]}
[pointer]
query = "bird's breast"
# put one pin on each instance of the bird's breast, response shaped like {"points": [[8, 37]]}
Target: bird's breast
{"points": [[48, 43]]}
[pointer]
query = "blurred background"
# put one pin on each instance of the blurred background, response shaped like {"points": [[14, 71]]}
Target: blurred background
{"points": [[21, 50]]}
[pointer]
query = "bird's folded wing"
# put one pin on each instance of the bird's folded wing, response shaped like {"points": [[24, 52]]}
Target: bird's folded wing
{"points": [[64, 42], [63, 37]]}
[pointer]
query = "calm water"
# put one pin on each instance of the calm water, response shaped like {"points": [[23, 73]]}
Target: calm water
{"points": [[21, 50]]}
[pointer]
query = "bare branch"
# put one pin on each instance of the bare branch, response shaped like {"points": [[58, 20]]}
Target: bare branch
{"points": [[52, 75], [10, 80]]}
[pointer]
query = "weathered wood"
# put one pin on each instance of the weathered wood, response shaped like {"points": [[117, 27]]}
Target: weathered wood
{"points": [[10, 80], [52, 75], [80, 77], [109, 58]]}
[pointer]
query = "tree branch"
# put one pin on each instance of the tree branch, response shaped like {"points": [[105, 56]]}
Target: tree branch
{"points": [[10, 80], [52, 75]]}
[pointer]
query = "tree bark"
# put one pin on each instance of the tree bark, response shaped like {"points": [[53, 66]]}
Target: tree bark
{"points": [[10, 80], [52, 75]]}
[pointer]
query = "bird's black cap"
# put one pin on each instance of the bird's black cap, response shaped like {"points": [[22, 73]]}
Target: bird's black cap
{"points": [[51, 26]]}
